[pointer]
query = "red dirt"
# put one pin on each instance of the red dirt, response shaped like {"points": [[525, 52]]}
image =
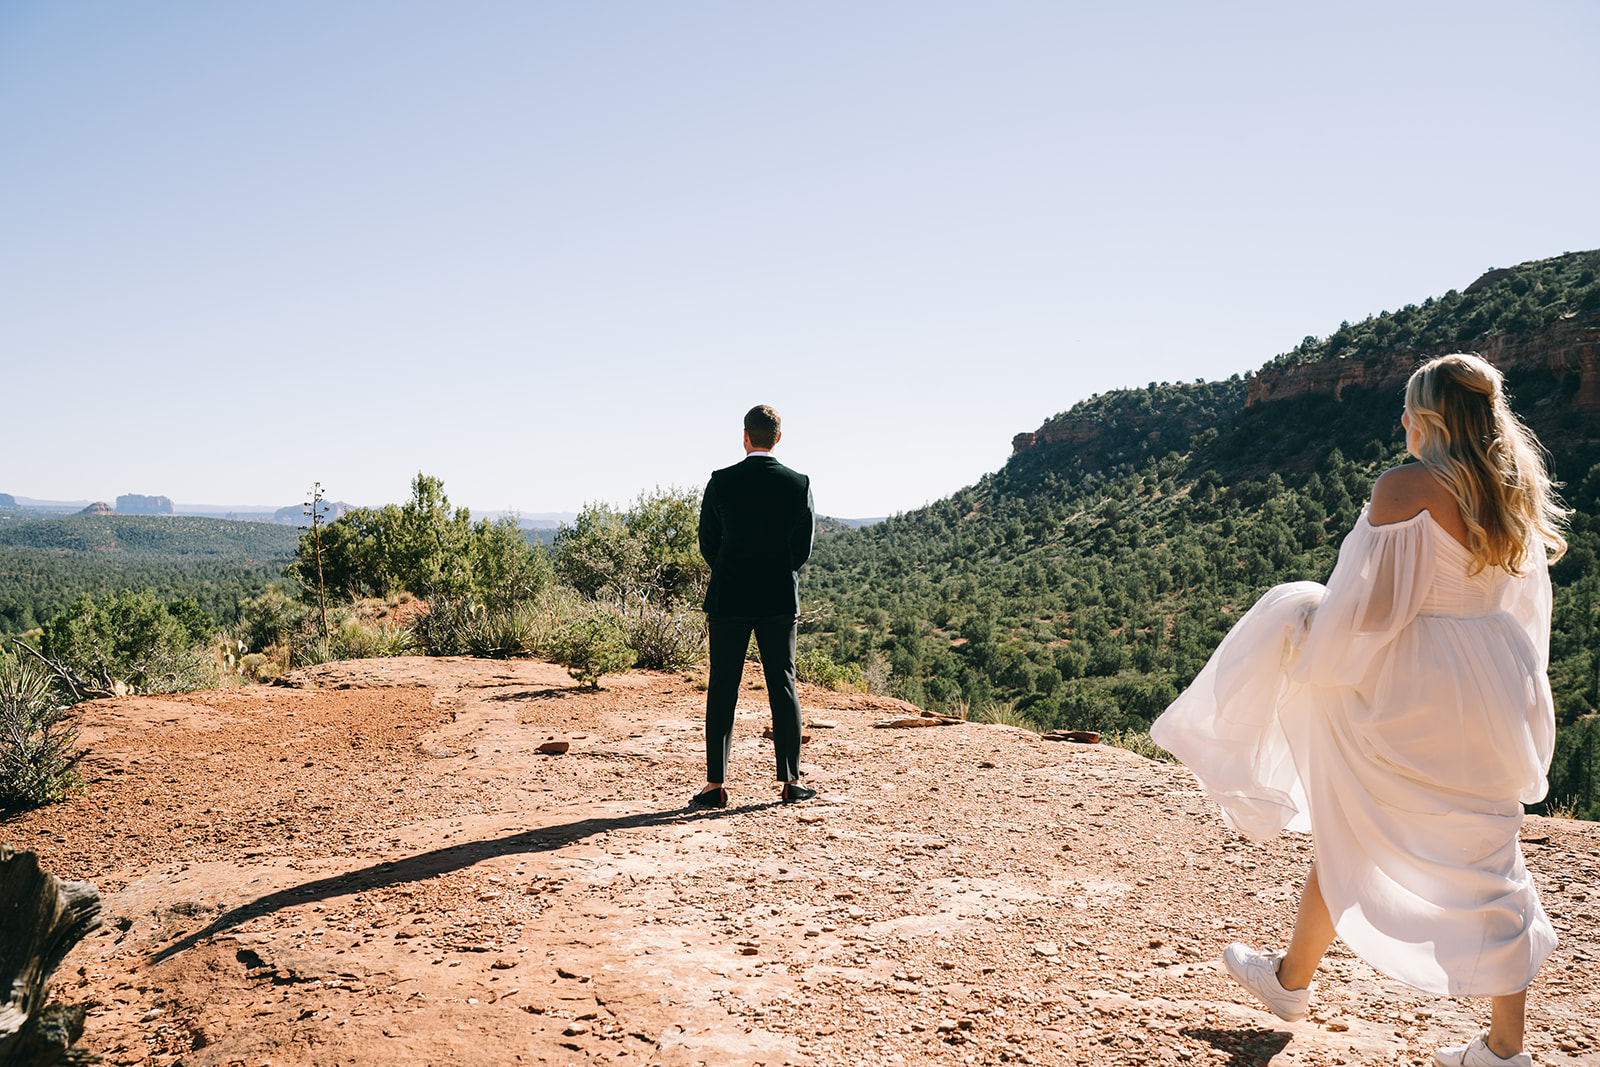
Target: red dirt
{"points": [[378, 868]]}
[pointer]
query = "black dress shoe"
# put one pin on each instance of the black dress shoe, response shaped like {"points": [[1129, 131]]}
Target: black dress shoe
{"points": [[793, 791], [710, 798]]}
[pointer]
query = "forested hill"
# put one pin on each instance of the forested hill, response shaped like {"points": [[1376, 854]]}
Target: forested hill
{"points": [[1084, 584], [163, 536], [47, 562]]}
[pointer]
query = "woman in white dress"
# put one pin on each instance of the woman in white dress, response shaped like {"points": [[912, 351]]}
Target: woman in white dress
{"points": [[1402, 715]]}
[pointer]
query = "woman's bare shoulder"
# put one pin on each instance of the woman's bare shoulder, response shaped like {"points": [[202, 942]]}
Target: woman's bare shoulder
{"points": [[1404, 492]]}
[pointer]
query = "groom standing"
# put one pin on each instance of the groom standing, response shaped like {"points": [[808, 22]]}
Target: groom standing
{"points": [[756, 521]]}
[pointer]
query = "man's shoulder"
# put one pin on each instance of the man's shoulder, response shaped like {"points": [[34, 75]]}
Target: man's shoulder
{"points": [[759, 467]]}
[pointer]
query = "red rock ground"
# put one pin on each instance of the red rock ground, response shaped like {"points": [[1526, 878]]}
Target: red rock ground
{"points": [[378, 868]]}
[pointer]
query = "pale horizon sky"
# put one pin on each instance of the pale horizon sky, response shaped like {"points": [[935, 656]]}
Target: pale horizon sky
{"points": [[550, 253]]}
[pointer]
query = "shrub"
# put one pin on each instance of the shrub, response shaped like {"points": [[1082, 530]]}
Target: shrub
{"points": [[597, 555], [1085, 708], [352, 634], [510, 631], [665, 638], [651, 549], [591, 645], [36, 744], [1005, 713], [815, 666], [132, 641], [269, 619], [1138, 741], [876, 675]]}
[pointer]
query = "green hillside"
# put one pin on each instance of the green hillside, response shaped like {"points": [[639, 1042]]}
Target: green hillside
{"points": [[152, 536], [1085, 583], [47, 562]]}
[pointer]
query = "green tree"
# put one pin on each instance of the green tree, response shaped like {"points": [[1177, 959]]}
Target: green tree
{"points": [[598, 555], [132, 640]]}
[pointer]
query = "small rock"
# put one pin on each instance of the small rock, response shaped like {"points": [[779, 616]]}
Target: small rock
{"points": [[1045, 948], [1082, 737], [823, 724], [554, 748]]}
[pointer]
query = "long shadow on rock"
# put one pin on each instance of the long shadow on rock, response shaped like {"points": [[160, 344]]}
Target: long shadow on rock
{"points": [[1244, 1048], [441, 861]]}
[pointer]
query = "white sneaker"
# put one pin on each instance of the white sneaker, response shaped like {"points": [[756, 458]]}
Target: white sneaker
{"points": [[1258, 972], [1475, 1053]]}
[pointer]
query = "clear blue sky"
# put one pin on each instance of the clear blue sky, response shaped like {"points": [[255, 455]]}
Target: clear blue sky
{"points": [[550, 252]]}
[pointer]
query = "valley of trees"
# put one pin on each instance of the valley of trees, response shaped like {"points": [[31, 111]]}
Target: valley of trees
{"points": [[48, 562]]}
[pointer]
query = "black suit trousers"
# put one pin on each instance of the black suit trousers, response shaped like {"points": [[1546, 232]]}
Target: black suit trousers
{"points": [[730, 638]]}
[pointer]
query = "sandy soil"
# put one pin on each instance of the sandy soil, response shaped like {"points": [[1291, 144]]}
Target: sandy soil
{"points": [[378, 867]]}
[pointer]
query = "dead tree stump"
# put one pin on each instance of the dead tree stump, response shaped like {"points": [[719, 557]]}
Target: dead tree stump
{"points": [[41, 918]]}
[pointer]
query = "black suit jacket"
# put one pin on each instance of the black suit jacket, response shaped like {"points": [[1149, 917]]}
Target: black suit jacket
{"points": [[756, 522]]}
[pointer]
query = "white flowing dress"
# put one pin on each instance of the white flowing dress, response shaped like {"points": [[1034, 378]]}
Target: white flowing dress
{"points": [[1402, 715]]}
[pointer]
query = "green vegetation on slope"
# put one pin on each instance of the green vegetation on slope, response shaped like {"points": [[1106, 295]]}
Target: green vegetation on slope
{"points": [[1084, 585], [1520, 299], [46, 563], [152, 536]]}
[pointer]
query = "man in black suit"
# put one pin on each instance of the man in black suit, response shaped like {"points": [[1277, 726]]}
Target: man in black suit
{"points": [[756, 522]]}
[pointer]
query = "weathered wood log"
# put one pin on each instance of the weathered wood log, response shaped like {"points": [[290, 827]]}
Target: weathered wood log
{"points": [[41, 918], [75, 685]]}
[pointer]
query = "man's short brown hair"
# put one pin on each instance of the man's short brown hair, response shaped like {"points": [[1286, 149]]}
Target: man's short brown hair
{"points": [[763, 426]]}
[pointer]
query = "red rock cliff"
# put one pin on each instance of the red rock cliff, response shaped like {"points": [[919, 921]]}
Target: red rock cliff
{"points": [[1571, 345]]}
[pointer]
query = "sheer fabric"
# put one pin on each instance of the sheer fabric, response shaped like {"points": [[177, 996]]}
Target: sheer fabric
{"points": [[1402, 715]]}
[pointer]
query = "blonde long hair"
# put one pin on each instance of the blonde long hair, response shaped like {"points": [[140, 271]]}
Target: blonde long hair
{"points": [[1492, 464]]}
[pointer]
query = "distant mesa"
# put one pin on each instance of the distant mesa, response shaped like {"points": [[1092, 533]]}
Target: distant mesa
{"points": [[295, 514], [134, 504], [99, 507], [7, 500]]}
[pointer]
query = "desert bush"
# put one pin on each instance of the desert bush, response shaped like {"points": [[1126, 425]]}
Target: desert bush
{"points": [[1086, 708], [876, 675], [132, 641], [264, 667], [818, 668], [1138, 741], [442, 631], [665, 638], [37, 752], [352, 634], [591, 645], [269, 619], [652, 549], [502, 633], [1004, 713], [597, 555], [461, 626]]}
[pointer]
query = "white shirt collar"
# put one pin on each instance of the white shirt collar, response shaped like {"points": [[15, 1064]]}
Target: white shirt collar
{"points": [[757, 452]]}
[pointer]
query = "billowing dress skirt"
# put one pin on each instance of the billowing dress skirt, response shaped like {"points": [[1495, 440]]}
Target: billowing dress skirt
{"points": [[1402, 715]]}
